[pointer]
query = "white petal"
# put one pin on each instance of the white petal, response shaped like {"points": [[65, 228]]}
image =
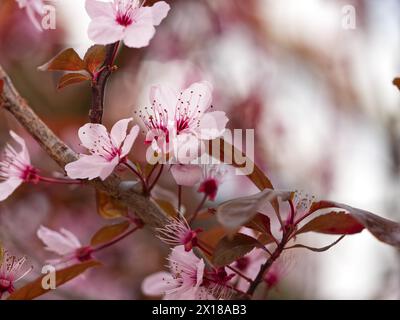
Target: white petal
{"points": [[198, 97], [138, 35], [24, 150], [104, 30], [212, 125], [99, 9], [90, 167], [57, 242], [158, 284], [186, 175], [156, 13], [118, 131], [129, 141], [91, 133], [8, 187], [166, 98], [187, 147]]}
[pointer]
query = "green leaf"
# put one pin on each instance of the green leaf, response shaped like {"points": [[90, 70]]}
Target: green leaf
{"points": [[67, 60], [109, 207], [35, 289], [108, 233], [333, 223], [71, 78], [229, 250], [94, 58]]}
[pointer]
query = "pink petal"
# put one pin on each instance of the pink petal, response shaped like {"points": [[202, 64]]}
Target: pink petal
{"points": [[57, 242], [24, 150], [97, 9], [156, 13], [91, 133], [118, 131], [165, 97], [104, 30], [199, 95], [8, 187], [212, 125], [71, 237], [91, 167], [138, 35], [186, 175], [32, 16], [129, 141], [158, 284], [187, 148]]}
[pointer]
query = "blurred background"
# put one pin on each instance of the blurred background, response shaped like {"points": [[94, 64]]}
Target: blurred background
{"points": [[319, 96]]}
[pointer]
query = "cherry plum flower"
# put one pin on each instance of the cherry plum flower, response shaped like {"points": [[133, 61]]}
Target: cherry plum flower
{"points": [[34, 10], [178, 232], [15, 168], [107, 149], [183, 282], [11, 271], [210, 177], [65, 244], [126, 20], [179, 123]]}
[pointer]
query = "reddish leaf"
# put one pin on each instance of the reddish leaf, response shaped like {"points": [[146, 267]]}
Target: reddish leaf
{"points": [[94, 58], [396, 82], [67, 60], [34, 289], [229, 250], [109, 207], [302, 246], [235, 213], [71, 78], [260, 223], [333, 223], [260, 180], [383, 229], [108, 233]]}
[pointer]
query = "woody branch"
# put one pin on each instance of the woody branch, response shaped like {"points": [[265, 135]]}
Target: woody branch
{"points": [[62, 154]]}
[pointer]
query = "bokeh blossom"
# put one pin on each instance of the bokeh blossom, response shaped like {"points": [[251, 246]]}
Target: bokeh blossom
{"points": [[34, 9]]}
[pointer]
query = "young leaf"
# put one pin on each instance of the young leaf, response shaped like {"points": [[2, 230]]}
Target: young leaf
{"points": [[108, 233], [333, 223], [67, 60], [316, 249], [235, 213], [35, 289], [71, 78], [94, 58], [383, 229], [229, 250], [109, 207]]}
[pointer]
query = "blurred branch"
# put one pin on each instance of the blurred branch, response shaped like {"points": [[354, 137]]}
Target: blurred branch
{"points": [[131, 196], [99, 85]]}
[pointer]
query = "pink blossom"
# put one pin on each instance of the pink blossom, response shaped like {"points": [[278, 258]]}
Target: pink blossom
{"points": [[34, 10], [65, 244], [179, 123], [15, 168], [183, 282], [107, 149], [125, 20], [11, 271], [177, 233], [210, 177]]}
